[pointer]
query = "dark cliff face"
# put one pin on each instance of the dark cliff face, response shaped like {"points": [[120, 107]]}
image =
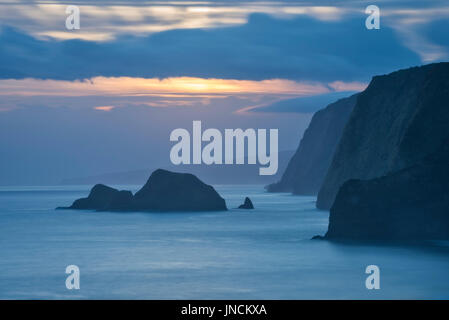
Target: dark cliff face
{"points": [[398, 120], [409, 204], [307, 168], [164, 191]]}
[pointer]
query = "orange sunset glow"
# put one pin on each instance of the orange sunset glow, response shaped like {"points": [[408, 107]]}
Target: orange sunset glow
{"points": [[177, 86]]}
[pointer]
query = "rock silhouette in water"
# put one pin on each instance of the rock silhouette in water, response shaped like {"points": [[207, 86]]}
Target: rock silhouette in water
{"points": [[171, 191], [397, 121], [122, 201], [164, 191], [100, 198], [248, 204], [308, 167], [411, 203]]}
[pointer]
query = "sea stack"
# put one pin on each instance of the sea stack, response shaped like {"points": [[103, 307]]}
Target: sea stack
{"points": [[248, 204], [164, 191], [102, 197], [172, 191]]}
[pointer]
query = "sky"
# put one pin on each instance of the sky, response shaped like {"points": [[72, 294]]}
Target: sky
{"points": [[105, 98]]}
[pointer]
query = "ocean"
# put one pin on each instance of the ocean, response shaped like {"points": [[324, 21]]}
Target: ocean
{"points": [[264, 253]]}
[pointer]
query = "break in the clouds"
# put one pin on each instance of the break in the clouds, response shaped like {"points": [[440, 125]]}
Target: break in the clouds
{"points": [[183, 86], [169, 92]]}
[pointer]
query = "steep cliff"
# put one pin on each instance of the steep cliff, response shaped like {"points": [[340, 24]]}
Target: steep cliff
{"points": [[397, 121], [411, 203], [307, 168]]}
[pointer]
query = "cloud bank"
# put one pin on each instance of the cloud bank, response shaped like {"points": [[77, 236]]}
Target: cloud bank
{"points": [[264, 48]]}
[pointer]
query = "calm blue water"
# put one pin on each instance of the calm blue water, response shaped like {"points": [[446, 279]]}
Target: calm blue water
{"points": [[260, 254]]}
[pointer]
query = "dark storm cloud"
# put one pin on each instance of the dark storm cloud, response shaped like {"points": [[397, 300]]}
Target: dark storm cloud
{"points": [[301, 49]]}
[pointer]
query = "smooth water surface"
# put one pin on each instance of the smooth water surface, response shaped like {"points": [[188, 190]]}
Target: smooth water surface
{"points": [[264, 253]]}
